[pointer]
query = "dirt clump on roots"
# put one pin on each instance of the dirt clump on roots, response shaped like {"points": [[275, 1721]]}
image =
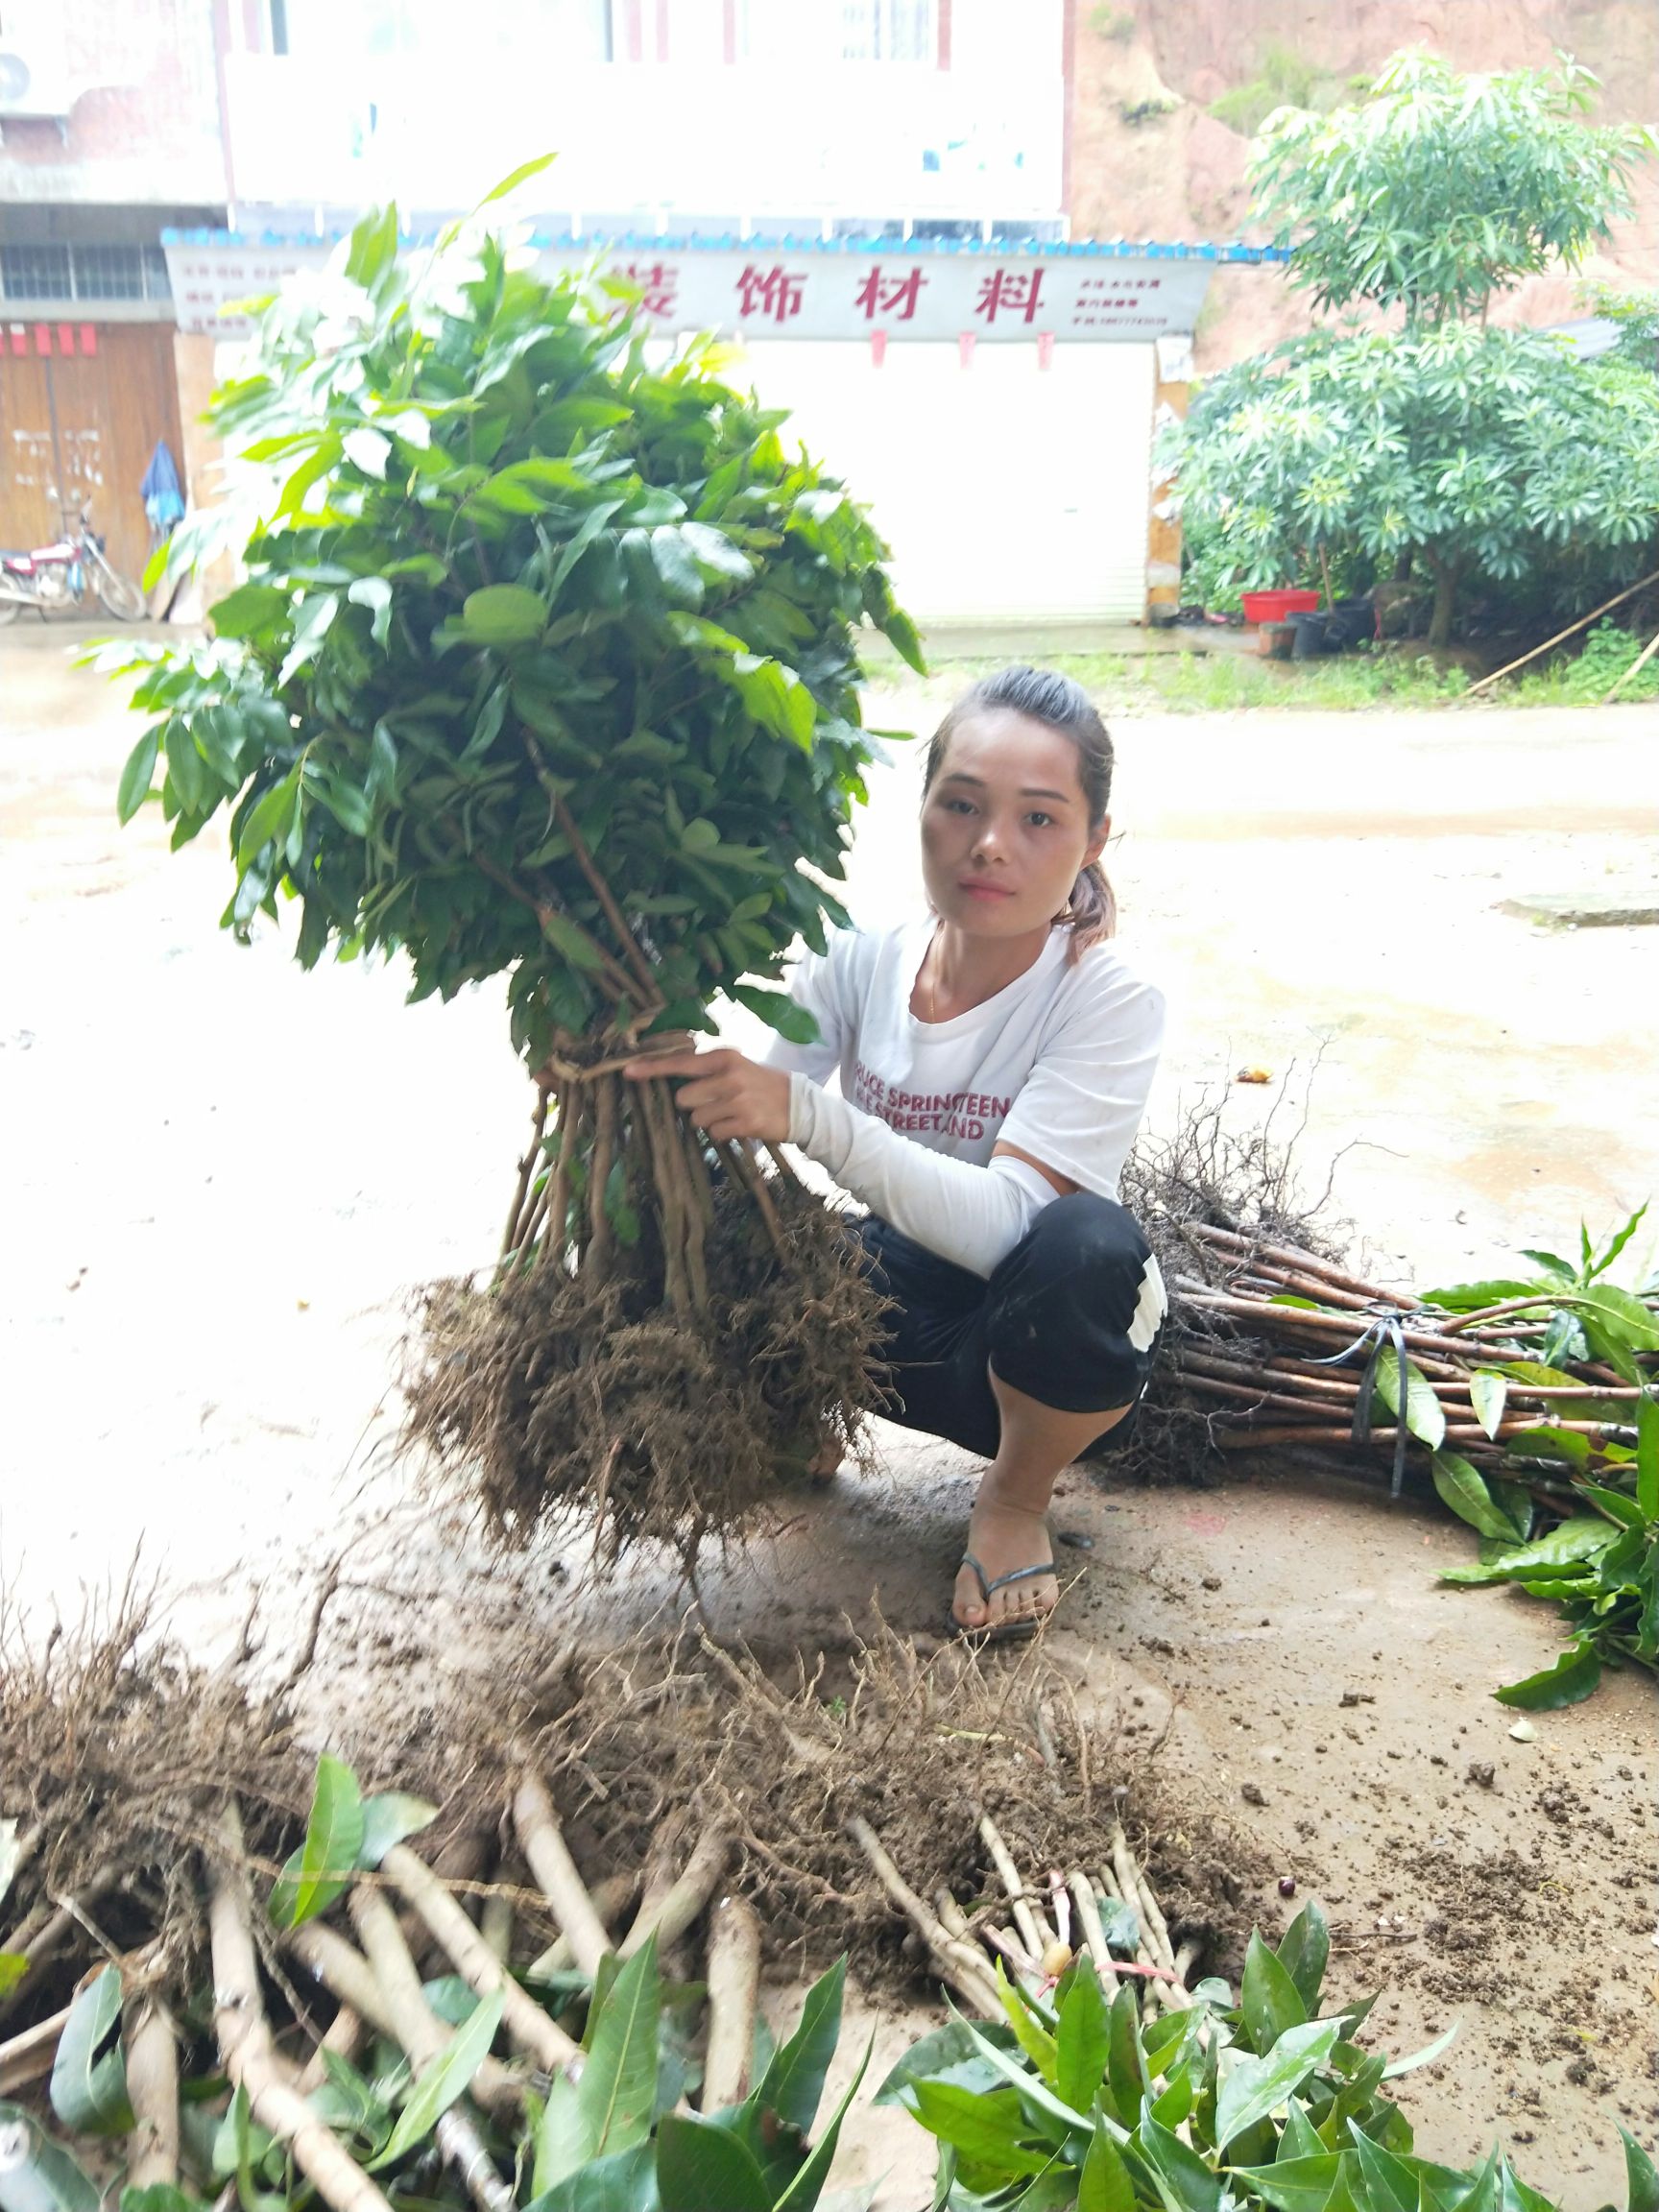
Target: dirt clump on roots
{"points": [[541, 1393], [1205, 1176], [116, 1755], [648, 1748]]}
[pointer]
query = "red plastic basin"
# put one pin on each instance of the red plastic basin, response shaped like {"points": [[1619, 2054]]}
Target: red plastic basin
{"points": [[1277, 606]]}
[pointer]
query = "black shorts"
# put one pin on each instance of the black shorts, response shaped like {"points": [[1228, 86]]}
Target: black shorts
{"points": [[1054, 1321]]}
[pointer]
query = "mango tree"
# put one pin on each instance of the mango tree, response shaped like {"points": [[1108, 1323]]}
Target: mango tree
{"points": [[1437, 442]]}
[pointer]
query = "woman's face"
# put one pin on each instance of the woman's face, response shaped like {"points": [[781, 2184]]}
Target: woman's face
{"points": [[1005, 826]]}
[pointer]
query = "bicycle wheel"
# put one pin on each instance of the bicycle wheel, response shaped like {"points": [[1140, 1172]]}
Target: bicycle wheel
{"points": [[123, 598]]}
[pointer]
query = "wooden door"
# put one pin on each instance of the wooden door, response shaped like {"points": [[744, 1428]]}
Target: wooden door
{"points": [[81, 407]]}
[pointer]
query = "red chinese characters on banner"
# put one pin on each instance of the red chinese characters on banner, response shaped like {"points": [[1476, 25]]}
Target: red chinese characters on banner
{"points": [[1016, 291], [776, 292], [885, 292], [659, 283]]}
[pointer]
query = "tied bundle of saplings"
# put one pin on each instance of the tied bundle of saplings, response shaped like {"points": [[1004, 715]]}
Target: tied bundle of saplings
{"points": [[545, 667]]}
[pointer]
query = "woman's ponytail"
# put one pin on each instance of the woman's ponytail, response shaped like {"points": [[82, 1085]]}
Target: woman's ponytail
{"points": [[1090, 912]]}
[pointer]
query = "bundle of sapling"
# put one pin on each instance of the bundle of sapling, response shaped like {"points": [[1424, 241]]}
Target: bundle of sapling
{"points": [[544, 666]]}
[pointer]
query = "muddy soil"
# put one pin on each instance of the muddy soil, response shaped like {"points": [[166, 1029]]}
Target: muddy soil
{"points": [[224, 1178]]}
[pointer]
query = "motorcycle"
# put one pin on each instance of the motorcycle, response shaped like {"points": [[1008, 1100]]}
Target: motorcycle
{"points": [[48, 577]]}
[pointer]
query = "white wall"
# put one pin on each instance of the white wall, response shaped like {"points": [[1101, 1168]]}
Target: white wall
{"points": [[1007, 491]]}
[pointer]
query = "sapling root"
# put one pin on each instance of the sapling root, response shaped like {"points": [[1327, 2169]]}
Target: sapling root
{"points": [[669, 1917], [556, 1874], [152, 2092], [251, 2057], [612, 1898], [525, 2022], [955, 1961], [425, 2038], [734, 1995]]}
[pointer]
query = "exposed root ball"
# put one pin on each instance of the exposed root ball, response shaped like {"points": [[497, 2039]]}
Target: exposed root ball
{"points": [[546, 1391]]}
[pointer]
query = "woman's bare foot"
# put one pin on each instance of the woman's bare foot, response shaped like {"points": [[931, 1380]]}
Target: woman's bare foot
{"points": [[1003, 1538]]}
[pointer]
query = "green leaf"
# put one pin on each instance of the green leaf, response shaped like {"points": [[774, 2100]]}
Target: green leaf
{"points": [[701, 2167], [793, 2082], [1297, 2184], [88, 2086], [1031, 2034], [903, 633], [13, 1966], [1269, 1998], [444, 2081], [391, 1817], [1424, 2058], [39, 2175], [1619, 1315], [1193, 2185], [368, 449], [503, 615], [804, 2190], [1306, 1952], [323, 1868], [312, 625], [1255, 2087], [1617, 1243], [1549, 1443], [374, 594], [1647, 1458], [138, 775], [714, 552], [1462, 1488], [947, 2054], [626, 2181], [514, 178], [1643, 2180], [988, 2129], [374, 246], [780, 1011], [1104, 2185], [1571, 1542], [1488, 1391], [1036, 2092], [1425, 1415], [1084, 2037], [1475, 1297], [572, 939], [563, 2141], [1572, 1678], [1389, 2183], [248, 610], [617, 2093]]}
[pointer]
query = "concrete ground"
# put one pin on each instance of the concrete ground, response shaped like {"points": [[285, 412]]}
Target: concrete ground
{"points": [[226, 1176]]}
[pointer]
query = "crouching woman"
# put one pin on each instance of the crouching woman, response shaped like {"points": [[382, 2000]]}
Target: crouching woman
{"points": [[994, 1061]]}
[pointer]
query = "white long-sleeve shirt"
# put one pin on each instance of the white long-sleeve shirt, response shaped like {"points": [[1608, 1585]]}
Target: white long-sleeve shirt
{"points": [[1059, 1064]]}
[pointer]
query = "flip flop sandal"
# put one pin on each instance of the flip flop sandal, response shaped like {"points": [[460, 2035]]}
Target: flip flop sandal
{"points": [[1019, 1629]]}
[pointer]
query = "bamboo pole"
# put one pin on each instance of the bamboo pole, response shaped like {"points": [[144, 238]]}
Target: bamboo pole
{"points": [[1561, 635], [1635, 668]]}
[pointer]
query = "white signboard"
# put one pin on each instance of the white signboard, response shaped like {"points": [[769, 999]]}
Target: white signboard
{"points": [[770, 291]]}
